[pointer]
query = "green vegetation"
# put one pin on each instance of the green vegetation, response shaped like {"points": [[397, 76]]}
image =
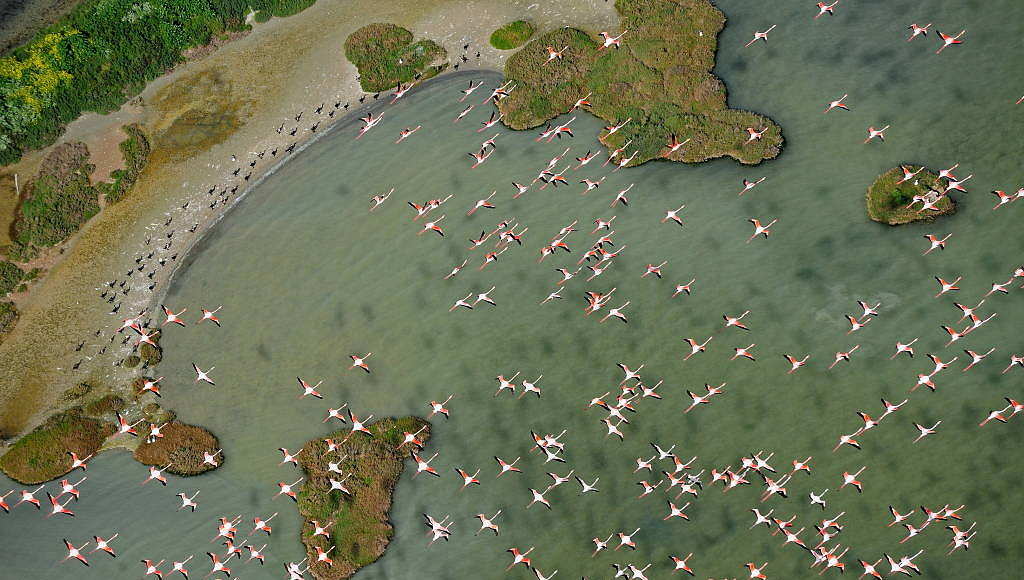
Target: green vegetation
{"points": [[103, 53], [888, 199], [182, 446], [77, 392], [135, 150], [151, 355], [660, 79], [44, 454], [361, 530], [10, 277], [105, 405], [59, 201], [512, 35], [386, 55], [8, 318]]}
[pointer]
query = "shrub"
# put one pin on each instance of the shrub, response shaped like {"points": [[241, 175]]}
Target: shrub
{"points": [[182, 446], [104, 406], [660, 79], [887, 198], [8, 318], [43, 454], [386, 55], [361, 529], [10, 277], [512, 35]]}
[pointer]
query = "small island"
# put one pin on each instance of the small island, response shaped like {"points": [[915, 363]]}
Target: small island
{"points": [[659, 80], [90, 426], [385, 56], [357, 521], [512, 35], [890, 197]]}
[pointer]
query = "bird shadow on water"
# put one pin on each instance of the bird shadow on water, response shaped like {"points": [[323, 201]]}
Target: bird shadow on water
{"points": [[263, 352]]}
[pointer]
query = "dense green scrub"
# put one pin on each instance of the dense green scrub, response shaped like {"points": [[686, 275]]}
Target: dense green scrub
{"points": [[62, 197], [101, 54], [512, 35], [386, 55], [45, 453], [660, 79], [889, 197], [358, 521]]}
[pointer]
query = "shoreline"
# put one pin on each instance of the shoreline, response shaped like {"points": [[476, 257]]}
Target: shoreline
{"points": [[30, 371]]}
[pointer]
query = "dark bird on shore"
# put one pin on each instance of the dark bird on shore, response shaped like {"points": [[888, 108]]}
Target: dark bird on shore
{"points": [[293, 131], [116, 308], [235, 172], [320, 109], [274, 152], [478, 54], [280, 129], [299, 116], [362, 99], [456, 66], [248, 175], [464, 58], [314, 126], [252, 163], [331, 114], [376, 96], [346, 105], [168, 222], [337, 104], [76, 365], [79, 347], [465, 47], [289, 150]]}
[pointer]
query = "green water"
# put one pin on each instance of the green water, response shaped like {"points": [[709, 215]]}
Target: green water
{"points": [[306, 276]]}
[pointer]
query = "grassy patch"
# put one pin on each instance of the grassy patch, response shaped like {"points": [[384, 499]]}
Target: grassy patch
{"points": [[660, 78], [8, 318], [181, 445], [62, 197], [135, 150], [10, 276], [361, 530], [42, 455], [386, 55], [60, 200], [512, 35], [887, 200], [105, 405]]}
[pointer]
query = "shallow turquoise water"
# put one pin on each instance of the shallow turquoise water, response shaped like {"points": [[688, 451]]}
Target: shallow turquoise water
{"points": [[307, 277]]}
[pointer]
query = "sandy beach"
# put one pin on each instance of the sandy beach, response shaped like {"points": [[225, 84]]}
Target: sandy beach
{"points": [[228, 102]]}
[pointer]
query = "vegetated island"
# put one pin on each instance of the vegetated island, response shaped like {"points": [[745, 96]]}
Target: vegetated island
{"points": [[890, 199], [90, 426], [512, 35], [660, 79], [386, 56], [357, 521]]}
